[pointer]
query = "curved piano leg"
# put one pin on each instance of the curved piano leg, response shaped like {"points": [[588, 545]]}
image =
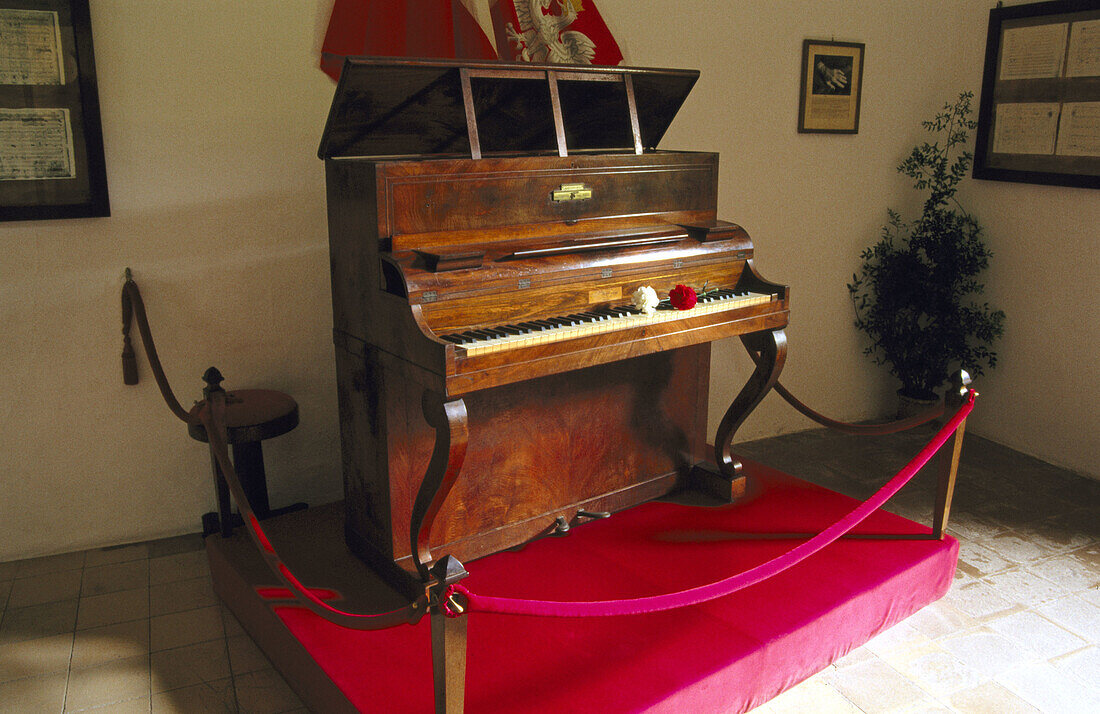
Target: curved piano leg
{"points": [[449, 420], [772, 347]]}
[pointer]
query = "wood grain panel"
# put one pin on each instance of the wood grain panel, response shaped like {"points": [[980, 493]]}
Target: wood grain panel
{"points": [[538, 446], [448, 196]]}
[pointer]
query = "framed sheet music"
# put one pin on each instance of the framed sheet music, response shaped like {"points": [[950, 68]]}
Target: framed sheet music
{"points": [[51, 140], [1039, 116]]}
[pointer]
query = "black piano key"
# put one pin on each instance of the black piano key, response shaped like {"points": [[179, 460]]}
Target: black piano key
{"points": [[512, 329], [456, 339], [531, 326]]}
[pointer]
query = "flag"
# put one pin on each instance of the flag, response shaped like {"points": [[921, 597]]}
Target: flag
{"points": [[566, 31], [403, 28]]}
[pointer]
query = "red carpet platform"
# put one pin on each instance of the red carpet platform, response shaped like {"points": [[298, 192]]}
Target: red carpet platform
{"points": [[727, 655]]}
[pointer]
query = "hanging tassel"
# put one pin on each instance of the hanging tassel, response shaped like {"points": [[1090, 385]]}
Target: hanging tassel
{"points": [[129, 362]]}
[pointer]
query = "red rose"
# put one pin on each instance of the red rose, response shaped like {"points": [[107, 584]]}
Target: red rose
{"points": [[682, 297]]}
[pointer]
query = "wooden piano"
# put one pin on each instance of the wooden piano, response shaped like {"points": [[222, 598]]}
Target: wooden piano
{"points": [[488, 225]]}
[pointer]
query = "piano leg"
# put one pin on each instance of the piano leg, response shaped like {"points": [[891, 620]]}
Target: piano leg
{"points": [[451, 426], [728, 483], [449, 419]]}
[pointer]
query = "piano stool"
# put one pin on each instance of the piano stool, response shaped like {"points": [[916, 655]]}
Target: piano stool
{"points": [[729, 655], [252, 415]]}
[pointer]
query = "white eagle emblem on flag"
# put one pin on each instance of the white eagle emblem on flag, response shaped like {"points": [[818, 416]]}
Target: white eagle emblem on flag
{"points": [[543, 37]]}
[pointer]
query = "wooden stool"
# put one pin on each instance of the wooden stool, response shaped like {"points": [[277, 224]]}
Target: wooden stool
{"points": [[251, 416]]}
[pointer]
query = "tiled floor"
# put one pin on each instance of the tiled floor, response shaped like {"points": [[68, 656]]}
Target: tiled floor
{"points": [[138, 628], [130, 629], [1020, 629]]}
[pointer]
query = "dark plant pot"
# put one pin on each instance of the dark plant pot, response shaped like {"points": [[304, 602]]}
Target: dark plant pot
{"points": [[914, 406]]}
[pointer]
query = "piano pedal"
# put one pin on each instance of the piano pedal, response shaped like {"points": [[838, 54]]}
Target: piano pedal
{"points": [[561, 527], [590, 516]]}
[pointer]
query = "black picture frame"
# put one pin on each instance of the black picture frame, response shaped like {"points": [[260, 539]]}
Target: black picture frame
{"points": [[831, 87], [51, 136], [1037, 103]]}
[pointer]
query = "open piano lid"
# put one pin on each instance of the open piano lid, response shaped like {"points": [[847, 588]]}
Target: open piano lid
{"points": [[399, 107]]}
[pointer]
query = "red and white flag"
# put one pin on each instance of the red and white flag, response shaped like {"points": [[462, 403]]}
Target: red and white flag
{"points": [[567, 31], [404, 28]]}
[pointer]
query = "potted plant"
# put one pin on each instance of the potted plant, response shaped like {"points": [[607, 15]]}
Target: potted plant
{"points": [[915, 294]]}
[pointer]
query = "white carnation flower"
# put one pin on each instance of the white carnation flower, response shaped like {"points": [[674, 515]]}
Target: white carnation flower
{"points": [[645, 299]]}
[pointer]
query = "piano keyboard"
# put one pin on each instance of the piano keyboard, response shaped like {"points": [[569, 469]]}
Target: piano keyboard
{"points": [[599, 320]]}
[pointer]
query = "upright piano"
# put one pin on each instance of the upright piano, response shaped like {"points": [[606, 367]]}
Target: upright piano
{"points": [[489, 224]]}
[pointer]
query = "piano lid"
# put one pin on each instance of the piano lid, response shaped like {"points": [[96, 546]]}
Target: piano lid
{"points": [[399, 107]]}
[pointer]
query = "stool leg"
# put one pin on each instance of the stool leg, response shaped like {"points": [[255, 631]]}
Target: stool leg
{"points": [[221, 488], [248, 459]]}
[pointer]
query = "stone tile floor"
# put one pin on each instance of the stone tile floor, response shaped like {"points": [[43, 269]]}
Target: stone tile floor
{"points": [[1020, 629], [138, 628]]}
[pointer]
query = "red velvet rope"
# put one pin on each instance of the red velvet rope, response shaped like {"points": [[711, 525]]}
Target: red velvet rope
{"points": [[695, 596], [890, 427], [212, 417], [883, 428]]}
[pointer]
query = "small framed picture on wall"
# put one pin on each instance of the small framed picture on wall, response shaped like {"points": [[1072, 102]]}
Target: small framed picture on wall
{"points": [[832, 82]]}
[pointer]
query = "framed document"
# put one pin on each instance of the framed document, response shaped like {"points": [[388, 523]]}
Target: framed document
{"points": [[51, 140], [1039, 116], [832, 81]]}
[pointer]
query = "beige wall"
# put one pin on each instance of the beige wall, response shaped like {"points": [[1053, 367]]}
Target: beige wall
{"points": [[212, 112], [812, 202]]}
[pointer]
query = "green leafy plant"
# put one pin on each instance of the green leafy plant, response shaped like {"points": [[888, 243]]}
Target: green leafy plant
{"points": [[915, 292]]}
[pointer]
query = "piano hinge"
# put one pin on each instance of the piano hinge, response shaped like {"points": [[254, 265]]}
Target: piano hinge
{"points": [[605, 273], [524, 283], [677, 264], [429, 296]]}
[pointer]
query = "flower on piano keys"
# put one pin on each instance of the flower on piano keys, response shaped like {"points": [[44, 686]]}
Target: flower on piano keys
{"points": [[682, 297], [645, 299]]}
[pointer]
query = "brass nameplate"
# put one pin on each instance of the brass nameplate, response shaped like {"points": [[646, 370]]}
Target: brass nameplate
{"points": [[605, 295], [572, 192]]}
